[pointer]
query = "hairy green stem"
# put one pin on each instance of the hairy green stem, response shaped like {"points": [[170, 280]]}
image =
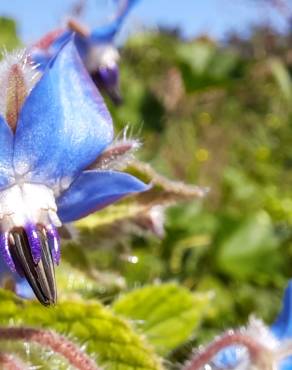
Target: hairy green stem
{"points": [[256, 351], [54, 341], [10, 362]]}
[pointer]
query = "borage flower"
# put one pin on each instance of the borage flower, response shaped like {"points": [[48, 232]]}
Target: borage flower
{"points": [[253, 347], [56, 144], [96, 48]]}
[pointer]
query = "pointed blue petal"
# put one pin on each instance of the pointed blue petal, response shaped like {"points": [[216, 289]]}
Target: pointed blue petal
{"points": [[42, 57], [64, 123], [61, 40], [6, 154], [286, 364], [94, 190], [107, 32], [83, 45], [282, 328]]}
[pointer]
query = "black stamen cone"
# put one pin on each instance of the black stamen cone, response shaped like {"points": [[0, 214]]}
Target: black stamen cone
{"points": [[116, 97], [41, 275], [112, 91]]}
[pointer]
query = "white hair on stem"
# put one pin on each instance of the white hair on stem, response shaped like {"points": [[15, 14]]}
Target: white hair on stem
{"points": [[119, 154], [28, 68]]}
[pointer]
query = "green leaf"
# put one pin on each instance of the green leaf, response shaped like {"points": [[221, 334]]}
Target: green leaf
{"points": [[8, 35], [282, 77], [167, 314], [204, 65], [108, 337], [251, 249]]}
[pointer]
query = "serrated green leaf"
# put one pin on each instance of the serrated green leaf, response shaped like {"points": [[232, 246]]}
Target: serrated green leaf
{"points": [[107, 336], [167, 314]]}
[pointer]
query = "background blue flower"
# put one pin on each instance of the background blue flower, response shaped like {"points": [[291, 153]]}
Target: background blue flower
{"points": [[281, 329], [95, 47]]}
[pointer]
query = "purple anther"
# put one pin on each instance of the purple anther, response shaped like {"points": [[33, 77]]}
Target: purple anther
{"points": [[107, 79], [54, 242], [109, 76], [5, 251], [34, 242]]}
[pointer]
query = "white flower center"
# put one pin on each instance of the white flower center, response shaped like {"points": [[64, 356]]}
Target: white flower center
{"points": [[260, 332], [27, 202], [102, 56]]}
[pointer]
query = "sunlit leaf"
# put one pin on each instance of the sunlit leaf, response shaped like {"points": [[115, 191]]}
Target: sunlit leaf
{"points": [[167, 314], [106, 336]]}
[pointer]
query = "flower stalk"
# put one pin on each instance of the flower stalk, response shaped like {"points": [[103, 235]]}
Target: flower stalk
{"points": [[257, 352], [54, 341], [10, 362]]}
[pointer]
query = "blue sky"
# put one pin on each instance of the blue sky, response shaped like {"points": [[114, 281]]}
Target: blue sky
{"points": [[194, 17]]}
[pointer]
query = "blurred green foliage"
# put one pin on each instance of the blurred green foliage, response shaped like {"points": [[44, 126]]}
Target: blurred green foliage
{"points": [[8, 35], [224, 121], [213, 115]]}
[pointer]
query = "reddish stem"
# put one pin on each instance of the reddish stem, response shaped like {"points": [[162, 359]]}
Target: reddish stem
{"points": [[77, 27], [54, 341], [9, 362], [255, 349]]}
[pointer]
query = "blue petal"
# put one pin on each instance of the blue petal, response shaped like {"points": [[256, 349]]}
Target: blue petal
{"points": [[61, 40], [107, 32], [64, 123], [81, 43], [282, 328], [94, 190], [42, 57], [6, 154], [286, 364], [229, 357], [22, 288]]}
